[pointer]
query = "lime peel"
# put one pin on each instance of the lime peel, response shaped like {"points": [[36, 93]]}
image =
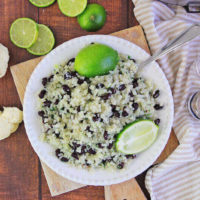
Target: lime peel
{"points": [[136, 137], [44, 43], [72, 8], [24, 32], [42, 3]]}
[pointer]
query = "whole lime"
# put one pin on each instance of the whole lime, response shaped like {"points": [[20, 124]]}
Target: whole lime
{"points": [[93, 18], [96, 60]]}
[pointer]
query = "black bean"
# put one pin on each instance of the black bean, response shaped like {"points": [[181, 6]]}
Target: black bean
{"points": [[75, 145], [113, 107], [64, 159], [110, 145], [57, 101], [43, 120], [41, 113], [80, 81], [42, 94], [157, 121], [87, 80], [96, 117], [81, 121], [156, 94], [113, 90], [130, 156], [88, 129], [106, 96], [83, 149], [57, 135], [100, 85], [115, 136], [66, 88], [116, 114], [74, 74], [86, 163], [44, 81], [75, 155], [135, 106], [78, 109], [135, 83], [91, 151], [100, 145], [122, 87], [47, 103], [124, 113], [50, 77], [1, 108], [65, 126], [59, 153], [71, 61], [131, 94], [92, 43], [101, 120], [89, 91], [158, 107], [120, 72], [133, 60], [121, 165], [69, 75], [105, 135], [103, 162]]}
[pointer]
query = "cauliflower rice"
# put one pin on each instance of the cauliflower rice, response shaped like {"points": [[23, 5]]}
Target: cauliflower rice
{"points": [[82, 116]]}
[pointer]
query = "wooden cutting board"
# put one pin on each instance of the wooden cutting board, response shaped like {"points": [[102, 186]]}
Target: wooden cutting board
{"points": [[128, 190]]}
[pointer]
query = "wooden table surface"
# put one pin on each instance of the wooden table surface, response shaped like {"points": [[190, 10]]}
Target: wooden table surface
{"points": [[21, 177]]}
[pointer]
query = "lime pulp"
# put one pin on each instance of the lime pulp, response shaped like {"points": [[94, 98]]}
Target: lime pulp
{"points": [[44, 43], [72, 8], [42, 3], [24, 32], [137, 137]]}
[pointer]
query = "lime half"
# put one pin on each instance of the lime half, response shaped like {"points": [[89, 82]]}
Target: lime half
{"points": [[24, 32], [72, 8], [42, 3], [137, 137], [44, 43]]}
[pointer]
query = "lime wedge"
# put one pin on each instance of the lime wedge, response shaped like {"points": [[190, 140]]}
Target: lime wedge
{"points": [[137, 137], [42, 3], [44, 43], [24, 32], [72, 8]]}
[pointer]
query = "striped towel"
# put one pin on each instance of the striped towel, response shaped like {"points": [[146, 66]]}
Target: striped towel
{"points": [[178, 177]]}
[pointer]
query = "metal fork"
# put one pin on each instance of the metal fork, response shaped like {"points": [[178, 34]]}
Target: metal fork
{"points": [[183, 38]]}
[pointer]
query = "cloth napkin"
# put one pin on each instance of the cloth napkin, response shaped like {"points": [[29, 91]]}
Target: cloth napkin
{"points": [[178, 177]]}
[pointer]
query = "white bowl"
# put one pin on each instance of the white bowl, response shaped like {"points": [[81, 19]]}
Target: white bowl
{"points": [[47, 153]]}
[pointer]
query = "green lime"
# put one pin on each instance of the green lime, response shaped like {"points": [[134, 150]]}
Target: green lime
{"points": [[72, 8], [95, 60], [93, 18], [42, 3], [44, 43], [24, 32], [136, 137]]}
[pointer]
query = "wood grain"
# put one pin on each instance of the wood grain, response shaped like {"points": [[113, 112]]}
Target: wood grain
{"points": [[129, 190], [18, 163]]}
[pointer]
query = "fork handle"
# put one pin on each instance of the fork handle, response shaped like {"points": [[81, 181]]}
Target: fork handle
{"points": [[183, 38]]}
